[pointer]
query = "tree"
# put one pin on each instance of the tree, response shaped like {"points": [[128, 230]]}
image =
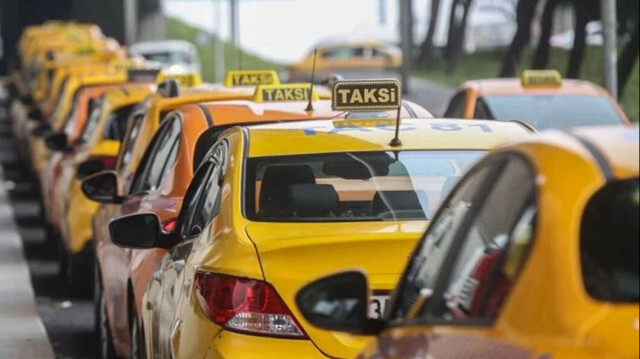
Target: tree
{"points": [[525, 12], [457, 29], [427, 48], [628, 59]]}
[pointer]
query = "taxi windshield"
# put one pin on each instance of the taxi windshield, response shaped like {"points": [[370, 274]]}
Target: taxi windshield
{"points": [[609, 243], [352, 186], [549, 111]]}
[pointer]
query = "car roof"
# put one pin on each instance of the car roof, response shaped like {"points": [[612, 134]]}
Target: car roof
{"points": [[617, 144], [513, 86], [289, 111], [326, 136], [127, 93]]}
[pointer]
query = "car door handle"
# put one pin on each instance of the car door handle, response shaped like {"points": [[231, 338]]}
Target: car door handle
{"points": [[178, 266]]}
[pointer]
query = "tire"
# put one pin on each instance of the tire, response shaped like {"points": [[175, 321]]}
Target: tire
{"points": [[137, 339], [105, 340]]}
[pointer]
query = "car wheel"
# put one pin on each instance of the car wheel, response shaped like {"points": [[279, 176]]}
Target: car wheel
{"points": [[107, 350], [138, 348]]}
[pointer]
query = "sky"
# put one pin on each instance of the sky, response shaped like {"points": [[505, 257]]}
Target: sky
{"points": [[286, 30]]}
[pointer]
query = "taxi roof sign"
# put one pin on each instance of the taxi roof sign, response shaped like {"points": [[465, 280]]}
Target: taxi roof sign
{"points": [[541, 78], [251, 78], [367, 95], [185, 80], [285, 93]]}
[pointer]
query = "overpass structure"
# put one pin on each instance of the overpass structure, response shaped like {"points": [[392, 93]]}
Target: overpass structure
{"points": [[128, 21]]}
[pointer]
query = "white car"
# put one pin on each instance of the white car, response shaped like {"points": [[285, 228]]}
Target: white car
{"points": [[175, 56]]}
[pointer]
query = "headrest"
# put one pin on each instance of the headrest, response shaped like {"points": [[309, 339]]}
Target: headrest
{"points": [[313, 200], [276, 182]]}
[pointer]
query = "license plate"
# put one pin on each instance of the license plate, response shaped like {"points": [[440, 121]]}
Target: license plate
{"points": [[377, 306]]}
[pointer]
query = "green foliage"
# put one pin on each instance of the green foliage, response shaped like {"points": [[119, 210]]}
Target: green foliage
{"points": [[178, 30], [487, 65]]}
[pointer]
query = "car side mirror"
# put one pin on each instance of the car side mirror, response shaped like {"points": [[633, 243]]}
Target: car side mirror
{"points": [[339, 303], [140, 231], [103, 187], [36, 114], [41, 130], [91, 167], [57, 142]]}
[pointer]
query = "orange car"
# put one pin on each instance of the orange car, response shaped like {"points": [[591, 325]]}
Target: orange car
{"points": [[159, 184], [83, 105], [540, 98]]}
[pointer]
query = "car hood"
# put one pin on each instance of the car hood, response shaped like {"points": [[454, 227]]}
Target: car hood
{"points": [[294, 254]]}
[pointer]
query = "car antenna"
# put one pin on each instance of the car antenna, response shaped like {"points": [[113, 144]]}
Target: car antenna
{"points": [[396, 142], [313, 80]]}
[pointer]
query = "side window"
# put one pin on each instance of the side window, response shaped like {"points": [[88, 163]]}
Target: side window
{"points": [[491, 251], [209, 205], [457, 106], [157, 163], [483, 112], [124, 156], [425, 266], [95, 113], [116, 125]]}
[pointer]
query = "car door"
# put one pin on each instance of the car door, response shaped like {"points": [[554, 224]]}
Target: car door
{"points": [[202, 205], [462, 273]]}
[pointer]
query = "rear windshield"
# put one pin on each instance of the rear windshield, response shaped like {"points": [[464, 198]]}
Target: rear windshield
{"points": [[550, 111], [352, 186], [609, 243]]}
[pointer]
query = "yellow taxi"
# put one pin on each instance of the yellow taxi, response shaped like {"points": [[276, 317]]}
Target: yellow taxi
{"points": [[120, 289], [97, 150], [541, 98], [523, 260], [346, 55], [273, 206], [63, 109]]}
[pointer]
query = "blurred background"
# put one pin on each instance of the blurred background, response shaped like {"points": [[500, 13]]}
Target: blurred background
{"points": [[451, 40]]}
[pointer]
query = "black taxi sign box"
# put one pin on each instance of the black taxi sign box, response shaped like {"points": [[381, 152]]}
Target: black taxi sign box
{"points": [[367, 95]]}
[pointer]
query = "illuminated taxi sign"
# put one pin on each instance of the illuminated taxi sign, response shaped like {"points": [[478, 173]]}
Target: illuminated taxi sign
{"points": [[285, 93], [541, 78], [143, 76], [367, 95], [251, 78], [185, 80]]}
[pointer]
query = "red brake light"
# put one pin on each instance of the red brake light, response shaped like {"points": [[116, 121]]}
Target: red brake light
{"points": [[169, 225], [245, 305]]}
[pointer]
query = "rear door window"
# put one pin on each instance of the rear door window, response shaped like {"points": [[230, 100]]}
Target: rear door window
{"points": [[609, 243]]}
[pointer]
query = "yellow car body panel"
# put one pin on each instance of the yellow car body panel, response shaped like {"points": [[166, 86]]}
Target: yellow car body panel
{"points": [[76, 226], [549, 313], [287, 255]]}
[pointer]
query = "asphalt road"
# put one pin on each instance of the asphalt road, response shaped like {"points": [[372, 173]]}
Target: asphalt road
{"points": [[69, 320]]}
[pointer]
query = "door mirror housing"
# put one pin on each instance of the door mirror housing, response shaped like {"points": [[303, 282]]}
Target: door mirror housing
{"points": [[103, 187], [141, 231], [57, 142], [339, 303], [91, 167]]}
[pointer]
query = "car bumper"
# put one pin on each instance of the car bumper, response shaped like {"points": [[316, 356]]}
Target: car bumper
{"points": [[227, 345]]}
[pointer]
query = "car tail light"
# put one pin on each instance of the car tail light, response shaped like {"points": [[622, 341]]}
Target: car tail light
{"points": [[246, 305]]}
